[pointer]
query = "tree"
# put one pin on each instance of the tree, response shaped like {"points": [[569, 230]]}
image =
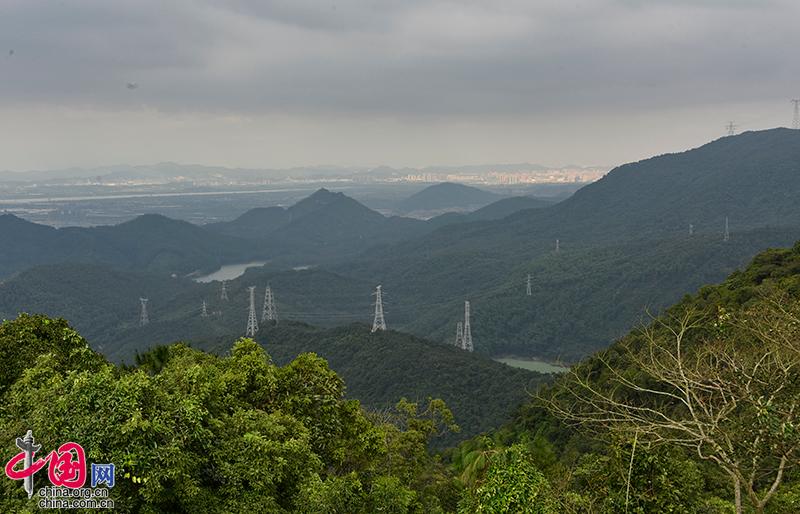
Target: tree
{"points": [[512, 484], [725, 386]]}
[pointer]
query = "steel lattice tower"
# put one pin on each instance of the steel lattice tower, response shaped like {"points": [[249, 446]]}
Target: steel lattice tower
{"points": [[691, 229], [467, 343], [144, 319], [270, 312], [224, 294], [558, 245], [378, 323], [204, 313], [529, 291], [252, 322], [731, 128], [459, 335], [727, 236], [796, 120]]}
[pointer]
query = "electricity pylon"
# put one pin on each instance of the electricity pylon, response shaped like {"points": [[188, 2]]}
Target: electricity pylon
{"points": [[270, 312], [204, 313], [459, 335], [727, 236], [378, 323], [143, 317], [529, 291], [467, 342], [796, 120], [252, 322], [224, 294]]}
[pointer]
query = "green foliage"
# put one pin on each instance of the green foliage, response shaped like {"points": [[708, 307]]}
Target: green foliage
{"points": [[659, 480], [192, 432], [512, 484]]}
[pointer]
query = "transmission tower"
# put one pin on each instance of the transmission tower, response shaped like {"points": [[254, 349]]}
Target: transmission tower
{"points": [[557, 246], [459, 335], [143, 318], [378, 323], [252, 322], [796, 120], [727, 236], [691, 229], [467, 342], [731, 128], [270, 312], [204, 313], [224, 294], [528, 291]]}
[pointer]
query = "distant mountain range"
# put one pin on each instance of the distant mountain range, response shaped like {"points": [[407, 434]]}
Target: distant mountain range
{"points": [[639, 213], [624, 246], [447, 196], [330, 226], [150, 242]]}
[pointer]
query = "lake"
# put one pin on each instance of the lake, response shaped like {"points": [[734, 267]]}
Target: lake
{"points": [[532, 365], [229, 271]]}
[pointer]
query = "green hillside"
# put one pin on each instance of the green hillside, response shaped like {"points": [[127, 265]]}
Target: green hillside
{"points": [[383, 367], [494, 211], [322, 227], [147, 243], [379, 368], [723, 363], [447, 196]]}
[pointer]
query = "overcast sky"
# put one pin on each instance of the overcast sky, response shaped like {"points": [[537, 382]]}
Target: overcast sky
{"points": [[258, 83]]}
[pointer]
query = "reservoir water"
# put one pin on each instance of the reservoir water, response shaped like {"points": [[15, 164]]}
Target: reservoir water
{"points": [[229, 271], [532, 365]]}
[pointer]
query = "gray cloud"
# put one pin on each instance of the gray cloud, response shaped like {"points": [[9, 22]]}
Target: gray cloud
{"points": [[418, 61]]}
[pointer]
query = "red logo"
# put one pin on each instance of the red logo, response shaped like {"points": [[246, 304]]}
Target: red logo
{"points": [[67, 466]]}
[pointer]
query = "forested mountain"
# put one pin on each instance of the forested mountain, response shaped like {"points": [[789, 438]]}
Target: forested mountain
{"points": [[638, 213], [322, 227], [447, 196], [494, 211], [752, 179], [732, 348], [613, 262], [380, 368], [150, 242]]}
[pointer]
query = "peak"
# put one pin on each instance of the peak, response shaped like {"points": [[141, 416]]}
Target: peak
{"points": [[9, 219], [151, 219], [323, 193]]}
